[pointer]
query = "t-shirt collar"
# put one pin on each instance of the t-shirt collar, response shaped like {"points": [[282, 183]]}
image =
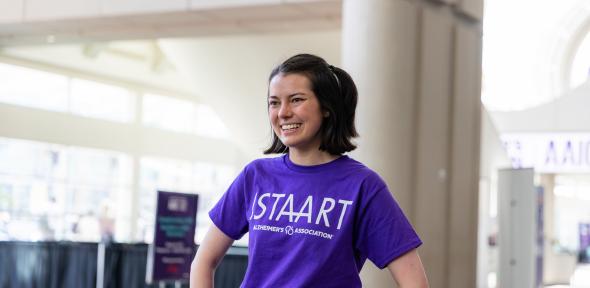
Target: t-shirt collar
{"points": [[313, 168]]}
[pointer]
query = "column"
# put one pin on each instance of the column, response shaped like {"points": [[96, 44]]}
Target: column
{"points": [[379, 51], [417, 65]]}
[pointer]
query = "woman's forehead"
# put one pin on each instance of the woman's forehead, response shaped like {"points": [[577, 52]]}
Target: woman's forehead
{"points": [[290, 78], [289, 81]]}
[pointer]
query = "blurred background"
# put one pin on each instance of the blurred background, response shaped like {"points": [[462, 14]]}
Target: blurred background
{"points": [[102, 103]]}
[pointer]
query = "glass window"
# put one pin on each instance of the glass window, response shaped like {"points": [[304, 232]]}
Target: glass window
{"points": [[159, 174], [580, 70], [168, 113], [98, 167], [99, 189], [58, 192], [31, 188], [33, 88], [97, 100], [211, 181], [571, 202], [27, 158], [54, 192]]}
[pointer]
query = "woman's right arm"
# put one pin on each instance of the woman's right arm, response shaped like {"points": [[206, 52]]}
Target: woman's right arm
{"points": [[209, 254]]}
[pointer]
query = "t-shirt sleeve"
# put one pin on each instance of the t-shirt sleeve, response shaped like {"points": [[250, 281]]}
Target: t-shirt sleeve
{"points": [[229, 214], [384, 232]]}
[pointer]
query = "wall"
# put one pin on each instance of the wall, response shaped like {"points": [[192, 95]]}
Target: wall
{"points": [[234, 81]]}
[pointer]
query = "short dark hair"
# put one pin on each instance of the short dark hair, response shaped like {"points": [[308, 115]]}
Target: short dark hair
{"points": [[337, 94]]}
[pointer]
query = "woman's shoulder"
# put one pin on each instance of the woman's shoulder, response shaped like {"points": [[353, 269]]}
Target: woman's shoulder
{"points": [[264, 163], [369, 176], [358, 167], [268, 160]]}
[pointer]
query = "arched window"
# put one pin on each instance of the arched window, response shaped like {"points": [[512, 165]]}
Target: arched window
{"points": [[580, 68]]}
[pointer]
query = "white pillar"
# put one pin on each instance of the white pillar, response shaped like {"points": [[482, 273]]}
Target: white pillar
{"points": [[378, 50], [417, 66]]}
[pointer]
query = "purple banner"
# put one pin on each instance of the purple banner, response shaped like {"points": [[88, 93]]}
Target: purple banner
{"points": [[584, 229], [174, 233]]}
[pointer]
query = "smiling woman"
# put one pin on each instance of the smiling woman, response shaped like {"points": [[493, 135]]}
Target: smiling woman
{"points": [[295, 113], [313, 78], [314, 215]]}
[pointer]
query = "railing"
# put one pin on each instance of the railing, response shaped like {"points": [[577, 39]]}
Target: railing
{"points": [[74, 264]]}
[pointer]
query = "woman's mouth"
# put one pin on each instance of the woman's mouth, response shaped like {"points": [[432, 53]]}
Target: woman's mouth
{"points": [[290, 127]]}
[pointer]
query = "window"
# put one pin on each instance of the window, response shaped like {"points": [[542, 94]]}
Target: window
{"points": [[49, 91], [60, 192], [54, 192], [571, 202], [99, 189], [210, 181], [97, 100], [580, 70], [32, 88]]}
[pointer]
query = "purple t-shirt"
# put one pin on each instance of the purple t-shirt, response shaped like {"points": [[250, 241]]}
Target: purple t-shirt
{"points": [[312, 226]]}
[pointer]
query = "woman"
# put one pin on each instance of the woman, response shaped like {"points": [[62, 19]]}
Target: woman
{"points": [[313, 215]]}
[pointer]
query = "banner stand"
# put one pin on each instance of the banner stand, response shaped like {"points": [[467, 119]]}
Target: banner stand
{"points": [[170, 254]]}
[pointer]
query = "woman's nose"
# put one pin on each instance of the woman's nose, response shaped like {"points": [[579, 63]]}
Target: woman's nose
{"points": [[285, 111]]}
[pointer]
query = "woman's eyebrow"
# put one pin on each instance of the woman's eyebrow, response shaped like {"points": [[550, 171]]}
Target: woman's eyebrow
{"points": [[297, 94], [288, 96]]}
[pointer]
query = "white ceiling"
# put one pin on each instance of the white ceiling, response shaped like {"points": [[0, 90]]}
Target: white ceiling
{"points": [[138, 63], [262, 18]]}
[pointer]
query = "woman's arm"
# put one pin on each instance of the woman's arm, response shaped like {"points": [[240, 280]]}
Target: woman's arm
{"points": [[209, 254], [407, 271]]}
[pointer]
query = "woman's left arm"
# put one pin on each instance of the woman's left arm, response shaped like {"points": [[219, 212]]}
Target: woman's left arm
{"points": [[407, 271]]}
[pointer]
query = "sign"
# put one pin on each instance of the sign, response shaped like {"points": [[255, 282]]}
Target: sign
{"points": [[584, 230], [549, 152], [171, 253]]}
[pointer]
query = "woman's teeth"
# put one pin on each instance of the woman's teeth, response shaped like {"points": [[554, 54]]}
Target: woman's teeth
{"points": [[290, 126]]}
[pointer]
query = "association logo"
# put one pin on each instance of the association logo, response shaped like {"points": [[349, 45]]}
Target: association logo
{"points": [[289, 230]]}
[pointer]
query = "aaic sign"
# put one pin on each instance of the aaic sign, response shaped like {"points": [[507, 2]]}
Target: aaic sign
{"points": [[549, 152]]}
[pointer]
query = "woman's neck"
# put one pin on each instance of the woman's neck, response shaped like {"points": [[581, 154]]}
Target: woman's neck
{"points": [[310, 158]]}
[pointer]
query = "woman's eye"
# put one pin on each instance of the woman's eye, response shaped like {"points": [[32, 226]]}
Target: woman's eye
{"points": [[273, 103], [295, 100]]}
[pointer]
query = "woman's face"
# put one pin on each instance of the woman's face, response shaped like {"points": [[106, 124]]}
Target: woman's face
{"points": [[294, 112]]}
